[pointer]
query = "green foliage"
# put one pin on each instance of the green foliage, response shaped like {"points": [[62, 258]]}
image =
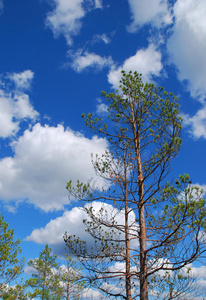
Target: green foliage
{"points": [[10, 264], [52, 281], [71, 279], [44, 281], [174, 285], [15, 292], [147, 225]]}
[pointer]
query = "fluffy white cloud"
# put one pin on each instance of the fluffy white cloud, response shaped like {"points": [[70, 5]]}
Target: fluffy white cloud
{"points": [[199, 271], [196, 123], [22, 80], [15, 106], [187, 44], [30, 270], [81, 61], [53, 232], [102, 108], [201, 283], [8, 126], [66, 17], [146, 61], [201, 187], [91, 294], [156, 12], [45, 158]]}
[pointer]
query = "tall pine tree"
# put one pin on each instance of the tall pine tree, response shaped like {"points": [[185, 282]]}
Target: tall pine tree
{"points": [[145, 230]]}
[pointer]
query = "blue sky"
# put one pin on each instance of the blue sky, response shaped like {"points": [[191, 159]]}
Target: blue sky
{"points": [[56, 57]]}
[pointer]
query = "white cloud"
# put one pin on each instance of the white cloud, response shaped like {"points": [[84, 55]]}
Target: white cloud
{"points": [[30, 270], [146, 61], [119, 267], [66, 17], [22, 80], [55, 229], [84, 60], [102, 108], [91, 294], [53, 232], [199, 272], [197, 123], [8, 126], [23, 108], [187, 44], [156, 12], [81, 61], [102, 38], [45, 158], [15, 106], [98, 3], [10, 208], [201, 283], [201, 187]]}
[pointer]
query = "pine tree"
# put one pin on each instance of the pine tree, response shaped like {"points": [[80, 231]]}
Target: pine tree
{"points": [[44, 282], [10, 264], [71, 279], [17, 291], [144, 228]]}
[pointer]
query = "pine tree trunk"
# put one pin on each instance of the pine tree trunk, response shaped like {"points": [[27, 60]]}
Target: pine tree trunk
{"points": [[141, 207], [68, 290], [127, 242], [142, 231], [43, 289]]}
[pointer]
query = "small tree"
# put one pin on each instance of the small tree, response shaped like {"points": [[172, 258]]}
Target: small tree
{"points": [[175, 285], [44, 281], [144, 226], [71, 279], [10, 264], [18, 291]]}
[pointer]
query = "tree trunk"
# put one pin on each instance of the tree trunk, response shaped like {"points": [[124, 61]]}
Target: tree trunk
{"points": [[127, 242], [68, 290], [141, 207], [43, 289], [142, 231]]}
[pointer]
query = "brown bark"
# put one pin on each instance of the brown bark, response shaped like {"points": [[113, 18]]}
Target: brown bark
{"points": [[141, 207], [68, 290], [43, 289], [142, 232], [127, 242]]}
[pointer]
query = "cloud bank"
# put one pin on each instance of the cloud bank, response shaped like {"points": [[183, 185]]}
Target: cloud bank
{"points": [[187, 44], [45, 159], [53, 232]]}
